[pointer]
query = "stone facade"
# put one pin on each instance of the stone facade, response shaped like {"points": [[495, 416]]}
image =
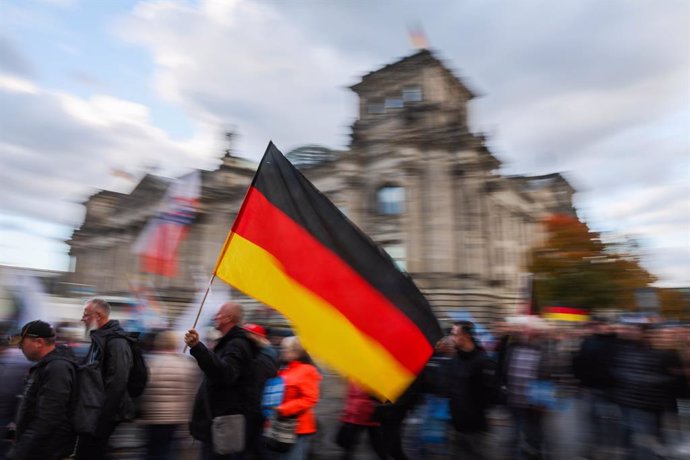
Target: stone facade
{"points": [[415, 179]]}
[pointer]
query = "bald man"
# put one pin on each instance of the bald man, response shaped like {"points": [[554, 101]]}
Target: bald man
{"points": [[228, 377]]}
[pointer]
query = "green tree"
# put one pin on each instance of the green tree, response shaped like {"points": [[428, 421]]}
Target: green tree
{"points": [[575, 268]]}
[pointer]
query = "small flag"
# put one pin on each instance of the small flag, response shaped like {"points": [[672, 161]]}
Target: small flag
{"points": [[158, 243], [418, 37], [566, 314], [121, 173], [293, 250]]}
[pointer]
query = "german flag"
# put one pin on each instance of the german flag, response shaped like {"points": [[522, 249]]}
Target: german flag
{"points": [[293, 250], [566, 314]]}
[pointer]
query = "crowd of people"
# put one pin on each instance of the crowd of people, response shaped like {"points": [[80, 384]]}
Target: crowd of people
{"points": [[254, 395]]}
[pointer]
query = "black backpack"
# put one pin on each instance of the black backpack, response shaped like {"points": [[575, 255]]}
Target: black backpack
{"points": [[91, 391], [90, 398], [139, 374]]}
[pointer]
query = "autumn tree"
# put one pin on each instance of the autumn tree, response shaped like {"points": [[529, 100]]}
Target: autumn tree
{"points": [[675, 303], [575, 268]]}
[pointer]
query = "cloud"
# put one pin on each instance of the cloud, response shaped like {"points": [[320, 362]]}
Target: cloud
{"points": [[657, 217], [597, 89], [57, 149], [11, 60], [241, 64], [670, 264]]}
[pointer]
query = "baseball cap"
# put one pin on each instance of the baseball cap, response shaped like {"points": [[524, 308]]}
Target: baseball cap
{"points": [[255, 329], [34, 329]]}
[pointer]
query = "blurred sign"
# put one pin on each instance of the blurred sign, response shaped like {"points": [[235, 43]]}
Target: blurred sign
{"points": [[647, 300]]}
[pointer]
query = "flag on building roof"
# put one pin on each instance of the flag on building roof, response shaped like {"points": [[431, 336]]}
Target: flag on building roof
{"points": [[418, 37], [123, 174], [158, 243], [293, 250]]}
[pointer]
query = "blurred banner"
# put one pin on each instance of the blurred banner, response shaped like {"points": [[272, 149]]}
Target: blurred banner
{"points": [[292, 249], [157, 245], [27, 298]]}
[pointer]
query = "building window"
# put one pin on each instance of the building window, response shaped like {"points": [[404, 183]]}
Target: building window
{"points": [[394, 103], [398, 254], [390, 200], [376, 107], [412, 94]]}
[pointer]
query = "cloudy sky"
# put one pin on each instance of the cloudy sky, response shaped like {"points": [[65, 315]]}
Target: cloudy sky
{"points": [[596, 89]]}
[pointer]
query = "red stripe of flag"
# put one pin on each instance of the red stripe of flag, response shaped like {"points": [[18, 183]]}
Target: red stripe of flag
{"points": [[337, 283]]}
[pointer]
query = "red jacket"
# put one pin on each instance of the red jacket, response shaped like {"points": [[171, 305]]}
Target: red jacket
{"points": [[359, 407], [301, 394]]}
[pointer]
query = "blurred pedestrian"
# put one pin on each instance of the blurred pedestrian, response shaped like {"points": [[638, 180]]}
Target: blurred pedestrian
{"points": [[166, 404], [592, 367], [228, 378], [527, 370], [265, 367], [110, 348], [358, 417], [302, 380], [13, 369], [434, 433], [391, 417], [646, 383], [472, 388], [43, 423]]}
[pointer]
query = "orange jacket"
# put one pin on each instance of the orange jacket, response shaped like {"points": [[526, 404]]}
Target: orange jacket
{"points": [[301, 394]]}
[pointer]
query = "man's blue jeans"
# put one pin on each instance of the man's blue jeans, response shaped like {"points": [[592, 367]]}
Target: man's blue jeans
{"points": [[604, 421], [642, 430]]}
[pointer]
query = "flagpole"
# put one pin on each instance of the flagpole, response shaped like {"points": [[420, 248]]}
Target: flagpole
{"points": [[203, 300]]}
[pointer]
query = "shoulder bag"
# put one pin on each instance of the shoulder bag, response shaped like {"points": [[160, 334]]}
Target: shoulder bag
{"points": [[227, 431], [280, 433]]}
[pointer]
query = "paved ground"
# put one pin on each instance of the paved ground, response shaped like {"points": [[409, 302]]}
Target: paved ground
{"points": [[564, 432]]}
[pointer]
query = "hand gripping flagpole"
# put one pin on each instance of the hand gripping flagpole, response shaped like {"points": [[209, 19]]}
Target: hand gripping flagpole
{"points": [[203, 300], [215, 270]]}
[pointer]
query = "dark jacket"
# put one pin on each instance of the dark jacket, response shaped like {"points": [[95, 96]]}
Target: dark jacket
{"points": [[226, 386], [471, 386], [13, 370], [592, 363], [265, 367], [394, 413], [110, 346], [645, 378], [44, 427]]}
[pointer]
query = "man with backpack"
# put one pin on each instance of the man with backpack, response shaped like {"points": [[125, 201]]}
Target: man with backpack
{"points": [[112, 351], [43, 425]]}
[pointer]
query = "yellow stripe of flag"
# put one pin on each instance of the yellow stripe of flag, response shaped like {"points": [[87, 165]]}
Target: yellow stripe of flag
{"points": [[251, 269], [566, 316]]}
